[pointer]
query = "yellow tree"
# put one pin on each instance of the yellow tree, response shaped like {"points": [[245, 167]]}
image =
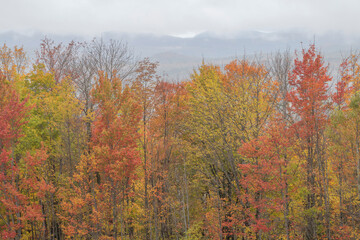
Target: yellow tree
{"points": [[53, 122], [12, 61], [225, 110]]}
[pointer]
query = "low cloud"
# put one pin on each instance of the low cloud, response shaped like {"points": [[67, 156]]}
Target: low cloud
{"points": [[92, 17]]}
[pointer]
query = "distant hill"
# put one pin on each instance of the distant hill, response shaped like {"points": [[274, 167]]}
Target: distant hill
{"points": [[179, 56]]}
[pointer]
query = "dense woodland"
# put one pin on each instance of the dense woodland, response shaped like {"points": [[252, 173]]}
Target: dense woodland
{"points": [[96, 144]]}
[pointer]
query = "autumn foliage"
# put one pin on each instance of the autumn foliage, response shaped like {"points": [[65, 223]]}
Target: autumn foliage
{"points": [[97, 145]]}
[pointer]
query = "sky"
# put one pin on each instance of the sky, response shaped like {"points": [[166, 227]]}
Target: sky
{"points": [[183, 18]]}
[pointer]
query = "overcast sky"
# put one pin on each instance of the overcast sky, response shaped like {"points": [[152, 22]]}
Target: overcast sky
{"points": [[178, 17]]}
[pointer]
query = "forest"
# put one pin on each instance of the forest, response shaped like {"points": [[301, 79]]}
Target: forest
{"points": [[97, 144]]}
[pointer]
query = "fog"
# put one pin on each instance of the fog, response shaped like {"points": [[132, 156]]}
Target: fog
{"points": [[179, 18]]}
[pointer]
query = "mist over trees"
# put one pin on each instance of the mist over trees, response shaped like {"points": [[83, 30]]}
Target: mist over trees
{"points": [[95, 143]]}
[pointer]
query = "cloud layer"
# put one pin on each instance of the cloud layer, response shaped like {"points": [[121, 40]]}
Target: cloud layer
{"points": [[181, 17]]}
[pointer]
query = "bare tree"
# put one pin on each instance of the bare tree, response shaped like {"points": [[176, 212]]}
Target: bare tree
{"points": [[113, 58], [279, 67], [58, 58]]}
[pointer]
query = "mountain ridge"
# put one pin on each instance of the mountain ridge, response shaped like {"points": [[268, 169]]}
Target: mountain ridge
{"points": [[178, 56]]}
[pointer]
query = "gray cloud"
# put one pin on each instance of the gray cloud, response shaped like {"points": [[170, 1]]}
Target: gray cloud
{"points": [[91, 17]]}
